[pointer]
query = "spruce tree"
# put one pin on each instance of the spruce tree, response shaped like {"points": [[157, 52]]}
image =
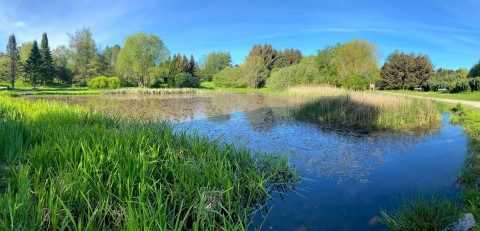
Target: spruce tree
{"points": [[48, 68], [11, 64], [33, 65], [191, 66]]}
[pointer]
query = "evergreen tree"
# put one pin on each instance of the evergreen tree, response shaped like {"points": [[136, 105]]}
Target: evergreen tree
{"points": [[191, 66], [48, 68], [475, 70], [11, 64], [185, 65], [33, 65]]}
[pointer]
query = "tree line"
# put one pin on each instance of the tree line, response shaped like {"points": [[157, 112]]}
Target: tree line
{"points": [[145, 61]]}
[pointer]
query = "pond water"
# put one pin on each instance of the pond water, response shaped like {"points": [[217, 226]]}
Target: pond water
{"points": [[348, 177]]}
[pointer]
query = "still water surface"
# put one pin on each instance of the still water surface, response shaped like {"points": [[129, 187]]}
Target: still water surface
{"points": [[348, 177]]}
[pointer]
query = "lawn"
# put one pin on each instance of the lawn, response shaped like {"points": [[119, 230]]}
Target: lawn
{"points": [[471, 96]]}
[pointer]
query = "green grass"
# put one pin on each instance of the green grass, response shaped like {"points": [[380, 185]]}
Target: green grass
{"points": [[211, 86], [66, 168], [471, 96], [367, 111], [422, 214]]}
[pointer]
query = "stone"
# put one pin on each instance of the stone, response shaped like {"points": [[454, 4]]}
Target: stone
{"points": [[465, 223]]}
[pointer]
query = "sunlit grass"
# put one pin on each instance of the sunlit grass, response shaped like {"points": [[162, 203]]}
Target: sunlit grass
{"points": [[66, 168], [365, 110]]}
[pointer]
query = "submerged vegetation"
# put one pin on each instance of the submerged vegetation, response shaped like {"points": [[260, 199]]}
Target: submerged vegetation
{"points": [[366, 111], [64, 167]]}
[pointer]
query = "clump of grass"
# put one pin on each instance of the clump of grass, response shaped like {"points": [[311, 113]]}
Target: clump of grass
{"points": [[368, 111], [67, 168], [150, 91], [9, 93], [422, 214]]}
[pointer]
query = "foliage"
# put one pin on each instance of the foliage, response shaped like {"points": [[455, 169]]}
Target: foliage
{"points": [[445, 79], [103, 82], [475, 70], [214, 63], [288, 57], [83, 52], [11, 64], [184, 80], [230, 77], [61, 59], [406, 71], [48, 68], [299, 74], [474, 84], [267, 54], [33, 65], [70, 169], [255, 72], [110, 55], [422, 214], [326, 65], [140, 53], [356, 59]]}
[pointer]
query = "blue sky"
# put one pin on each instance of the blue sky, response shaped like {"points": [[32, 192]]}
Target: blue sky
{"points": [[447, 31]]}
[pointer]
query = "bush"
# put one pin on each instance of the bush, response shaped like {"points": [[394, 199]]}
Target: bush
{"points": [[461, 86], [103, 82], [183, 80], [298, 74], [474, 84], [230, 77]]}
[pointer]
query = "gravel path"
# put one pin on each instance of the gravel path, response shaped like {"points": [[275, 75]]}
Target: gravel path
{"points": [[454, 101]]}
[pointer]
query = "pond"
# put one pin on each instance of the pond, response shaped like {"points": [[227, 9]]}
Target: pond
{"points": [[347, 177]]}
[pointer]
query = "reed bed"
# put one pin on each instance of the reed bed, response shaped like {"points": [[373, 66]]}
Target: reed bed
{"points": [[148, 91], [365, 110], [66, 168]]}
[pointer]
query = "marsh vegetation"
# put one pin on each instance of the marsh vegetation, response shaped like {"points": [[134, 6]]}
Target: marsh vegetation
{"points": [[64, 167]]}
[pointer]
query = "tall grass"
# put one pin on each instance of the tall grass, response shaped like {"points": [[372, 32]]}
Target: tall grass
{"points": [[366, 111], [65, 168]]}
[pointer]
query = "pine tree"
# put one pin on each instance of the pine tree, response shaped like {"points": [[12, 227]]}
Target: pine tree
{"points": [[11, 65], [191, 66], [48, 68], [33, 65]]}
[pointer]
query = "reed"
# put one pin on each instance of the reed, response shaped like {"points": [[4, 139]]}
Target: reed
{"points": [[365, 110], [66, 168]]}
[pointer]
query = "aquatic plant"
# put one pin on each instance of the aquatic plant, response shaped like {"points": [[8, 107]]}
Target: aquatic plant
{"points": [[422, 214], [366, 111], [151, 91], [66, 168]]}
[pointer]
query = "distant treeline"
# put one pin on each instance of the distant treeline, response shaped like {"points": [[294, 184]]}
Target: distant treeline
{"points": [[145, 61]]}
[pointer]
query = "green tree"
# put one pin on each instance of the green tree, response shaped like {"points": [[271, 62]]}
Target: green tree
{"points": [[291, 56], [406, 71], [214, 63], [83, 53], [230, 77], [191, 66], [356, 64], [267, 53], [326, 64], [110, 55], [255, 72], [475, 70], [63, 64], [33, 65], [140, 53], [12, 60], [48, 67]]}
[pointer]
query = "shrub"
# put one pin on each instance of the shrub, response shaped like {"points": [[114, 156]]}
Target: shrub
{"points": [[230, 77], [461, 86], [474, 84], [183, 80], [299, 74], [103, 82]]}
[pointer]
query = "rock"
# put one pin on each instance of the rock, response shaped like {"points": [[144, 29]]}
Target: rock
{"points": [[466, 222]]}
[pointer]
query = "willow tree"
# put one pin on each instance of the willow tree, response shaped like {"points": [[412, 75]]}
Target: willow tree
{"points": [[356, 63], [140, 53]]}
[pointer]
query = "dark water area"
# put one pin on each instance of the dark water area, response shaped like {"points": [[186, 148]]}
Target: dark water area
{"points": [[347, 177]]}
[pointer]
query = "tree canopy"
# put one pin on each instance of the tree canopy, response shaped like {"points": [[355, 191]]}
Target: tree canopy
{"points": [[140, 53], [214, 63], [48, 68], [12, 61], [83, 52], [406, 71], [33, 65]]}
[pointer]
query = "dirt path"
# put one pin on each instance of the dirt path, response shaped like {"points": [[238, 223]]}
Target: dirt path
{"points": [[454, 101]]}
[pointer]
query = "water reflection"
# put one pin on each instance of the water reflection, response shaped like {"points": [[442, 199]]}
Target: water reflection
{"points": [[349, 176]]}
